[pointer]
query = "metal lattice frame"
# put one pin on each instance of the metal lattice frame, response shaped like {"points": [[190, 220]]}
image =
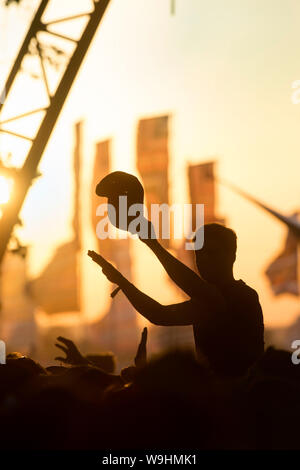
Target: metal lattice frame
{"points": [[49, 114]]}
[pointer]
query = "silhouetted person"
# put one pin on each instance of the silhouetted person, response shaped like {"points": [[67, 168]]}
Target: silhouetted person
{"points": [[225, 313]]}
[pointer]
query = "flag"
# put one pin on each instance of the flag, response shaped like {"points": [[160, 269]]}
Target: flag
{"points": [[202, 189], [102, 168], [153, 161], [283, 272]]}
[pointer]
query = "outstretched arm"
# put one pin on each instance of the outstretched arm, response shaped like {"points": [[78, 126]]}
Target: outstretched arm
{"points": [[156, 313], [167, 315]]}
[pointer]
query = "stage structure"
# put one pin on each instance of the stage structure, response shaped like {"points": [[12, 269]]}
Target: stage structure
{"points": [[56, 95]]}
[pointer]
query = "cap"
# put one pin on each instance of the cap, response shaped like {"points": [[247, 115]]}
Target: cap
{"points": [[120, 183]]}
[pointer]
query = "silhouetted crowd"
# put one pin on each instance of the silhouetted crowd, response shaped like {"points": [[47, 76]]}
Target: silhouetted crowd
{"points": [[227, 394], [173, 401]]}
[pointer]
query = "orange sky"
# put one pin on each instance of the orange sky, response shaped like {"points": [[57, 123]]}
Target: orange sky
{"points": [[224, 70]]}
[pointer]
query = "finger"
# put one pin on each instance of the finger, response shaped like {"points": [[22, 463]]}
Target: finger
{"points": [[144, 336], [94, 258], [61, 359], [115, 291], [66, 341], [145, 332], [99, 259], [61, 347], [92, 253]]}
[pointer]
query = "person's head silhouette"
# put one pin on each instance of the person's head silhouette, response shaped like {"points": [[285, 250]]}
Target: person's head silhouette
{"points": [[215, 259]]}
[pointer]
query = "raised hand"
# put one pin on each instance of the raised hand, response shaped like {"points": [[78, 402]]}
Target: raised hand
{"points": [[141, 355], [73, 356], [128, 373], [108, 269]]}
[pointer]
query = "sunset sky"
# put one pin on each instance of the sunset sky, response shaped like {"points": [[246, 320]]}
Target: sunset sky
{"points": [[224, 72]]}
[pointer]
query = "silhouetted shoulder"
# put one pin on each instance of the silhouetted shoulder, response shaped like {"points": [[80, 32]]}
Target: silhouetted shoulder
{"points": [[240, 288], [242, 301], [243, 287]]}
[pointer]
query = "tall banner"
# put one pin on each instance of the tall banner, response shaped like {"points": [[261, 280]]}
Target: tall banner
{"points": [[153, 161], [202, 190], [77, 160], [116, 250], [117, 329], [283, 272], [102, 167], [57, 289]]}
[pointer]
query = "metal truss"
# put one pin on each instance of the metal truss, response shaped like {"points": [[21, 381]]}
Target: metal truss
{"points": [[48, 114]]}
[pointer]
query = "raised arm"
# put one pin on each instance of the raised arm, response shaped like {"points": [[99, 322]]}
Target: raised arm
{"points": [[184, 277], [181, 274], [166, 315]]}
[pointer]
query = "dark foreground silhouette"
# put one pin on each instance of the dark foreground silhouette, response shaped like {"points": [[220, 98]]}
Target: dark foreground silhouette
{"points": [[171, 402]]}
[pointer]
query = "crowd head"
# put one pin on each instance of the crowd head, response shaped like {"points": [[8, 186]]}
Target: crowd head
{"points": [[171, 401]]}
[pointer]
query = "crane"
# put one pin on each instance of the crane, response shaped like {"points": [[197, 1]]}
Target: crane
{"points": [[49, 114], [291, 222]]}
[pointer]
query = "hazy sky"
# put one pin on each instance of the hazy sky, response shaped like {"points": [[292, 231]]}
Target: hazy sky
{"points": [[224, 71]]}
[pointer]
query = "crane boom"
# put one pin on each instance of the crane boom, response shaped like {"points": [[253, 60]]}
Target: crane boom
{"points": [[290, 221], [25, 176]]}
